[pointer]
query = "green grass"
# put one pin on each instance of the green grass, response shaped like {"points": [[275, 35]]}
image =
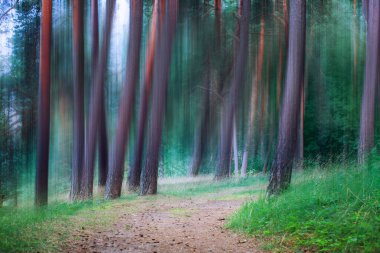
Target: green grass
{"points": [[205, 187], [331, 210], [46, 229]]}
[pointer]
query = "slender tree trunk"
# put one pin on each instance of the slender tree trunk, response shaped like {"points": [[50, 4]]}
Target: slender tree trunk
{"points": [[235, 149], [160, 83], [287, 140], [116, 168], [78, 74], [135, 170], [102, 135], [95, 105], [229, 108], [367, 120], [254, 96], [43, 122], [218, 5]]}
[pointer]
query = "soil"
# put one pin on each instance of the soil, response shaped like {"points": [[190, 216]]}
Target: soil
{"points": [[170, 224]]}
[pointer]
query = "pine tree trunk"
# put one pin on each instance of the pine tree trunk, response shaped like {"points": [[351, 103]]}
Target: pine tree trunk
{"points": [[43, 121], [135, 170], [116, 168], [287, 139], [78, 85], [367, 119], [230, 105], [160, 83], [95, 106], [254, 96]]}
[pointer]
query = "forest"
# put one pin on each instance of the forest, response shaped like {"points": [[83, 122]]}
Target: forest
{"points": [[189, 126]]}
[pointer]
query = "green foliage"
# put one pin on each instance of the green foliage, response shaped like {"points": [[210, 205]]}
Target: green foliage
{"points": [[334, 210]]}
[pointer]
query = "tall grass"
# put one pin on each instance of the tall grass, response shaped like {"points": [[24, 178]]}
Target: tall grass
{"points": [[336, 209]]}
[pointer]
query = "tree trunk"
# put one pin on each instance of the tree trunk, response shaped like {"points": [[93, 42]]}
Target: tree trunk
{"points": [[135, 170], [367, 119], [78, 76], [241, 44], [287, 140], [95, 105], [235, 149], [102, 135], [201, 131], [43, 122], [218, 5], [116, 168], [160, 83], [254, 96]]}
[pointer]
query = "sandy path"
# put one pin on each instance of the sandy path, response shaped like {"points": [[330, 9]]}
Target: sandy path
{"points": [[167, 224]]}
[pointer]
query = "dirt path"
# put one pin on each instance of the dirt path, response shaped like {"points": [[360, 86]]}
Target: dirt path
{"points": [[168, 224]]}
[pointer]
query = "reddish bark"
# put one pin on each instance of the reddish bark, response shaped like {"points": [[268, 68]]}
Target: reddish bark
{"points": [[241, 46], [116, 164], [95, 105], [254, 96], [78, 85], [367, 119], [160, 83], [135, 170], [287, 139], [218, 5], [43, 121]]}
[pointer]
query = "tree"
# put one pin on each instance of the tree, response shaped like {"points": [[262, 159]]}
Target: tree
{"points": [[229, 107], [43, 121], [253, 101], [166, 32], [78, 85], [95, 105], [102, 134], [287, 135], [367, 119], [135, 170], [116, 164]]}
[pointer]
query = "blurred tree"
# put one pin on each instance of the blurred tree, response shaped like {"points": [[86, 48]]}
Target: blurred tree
{"points": [[287, 140], [117, 155], [43, 123], [78, 86]]}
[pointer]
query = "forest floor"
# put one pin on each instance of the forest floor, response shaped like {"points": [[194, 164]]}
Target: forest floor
{"points": [[188, 216]]}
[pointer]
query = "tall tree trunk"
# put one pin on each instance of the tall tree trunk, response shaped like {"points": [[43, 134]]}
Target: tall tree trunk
{"points": [[160, 83], [235, 149], [135, 170], [78, 85], [254, 96], [367, 119], [218, 5], [200, 136], [116, 168], [102, 135], [95, 105], [229, 108], [43, 122], [287, 140]]}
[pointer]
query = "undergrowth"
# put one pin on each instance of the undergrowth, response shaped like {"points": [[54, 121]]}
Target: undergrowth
{"points": [[335, 209]]}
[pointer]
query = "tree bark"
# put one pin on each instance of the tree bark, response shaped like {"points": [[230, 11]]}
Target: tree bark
{"points": [[235, 149], [78, 85], [287, 140], [43, 123], [135, 170], [102, 135], [229, 108], [116, 164], [254, 96], [367, 119], [95, 105], [160, 83]]}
